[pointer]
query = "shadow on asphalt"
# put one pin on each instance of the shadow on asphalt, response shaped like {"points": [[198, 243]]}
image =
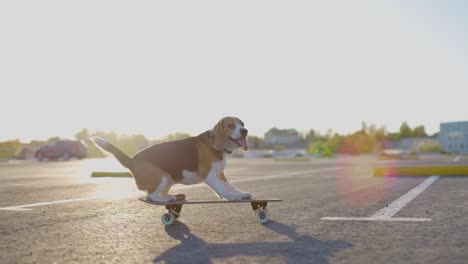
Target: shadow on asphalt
{"points": [[303, 248]]}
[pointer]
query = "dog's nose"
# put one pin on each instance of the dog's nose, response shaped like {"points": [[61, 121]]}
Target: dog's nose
{"points": [[243, 131]]}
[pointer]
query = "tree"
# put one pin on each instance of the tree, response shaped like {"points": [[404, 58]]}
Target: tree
{"points": [[363, 126], [127, 145], [371, 130], [112, 137], [419, 131], [405, 130], [83, 134], [171, 137], [313, 136], [140, 141], [8, 149], [254, 142], [176, 136], [53, 139], [310, 136]]}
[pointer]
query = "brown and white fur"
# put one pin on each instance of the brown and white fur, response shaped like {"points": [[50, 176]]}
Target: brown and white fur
{"points": [[189, 161]]}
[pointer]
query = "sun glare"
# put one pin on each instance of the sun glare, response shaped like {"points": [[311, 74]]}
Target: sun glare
{"points": [[108, 187], [353, 175]]}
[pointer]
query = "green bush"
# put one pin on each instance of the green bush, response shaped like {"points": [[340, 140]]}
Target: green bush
{"points": [[279, 147], [8, 149], [431, 148], [323, 149]]}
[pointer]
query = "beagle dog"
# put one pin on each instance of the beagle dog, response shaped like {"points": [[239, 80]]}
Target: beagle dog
{"points": [[188, 161]]}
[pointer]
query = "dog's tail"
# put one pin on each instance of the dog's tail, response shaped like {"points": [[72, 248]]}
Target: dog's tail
{"points": [[123, 158]]}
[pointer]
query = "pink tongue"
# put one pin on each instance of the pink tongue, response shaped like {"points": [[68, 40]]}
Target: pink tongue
{"points": [[242, 142]]}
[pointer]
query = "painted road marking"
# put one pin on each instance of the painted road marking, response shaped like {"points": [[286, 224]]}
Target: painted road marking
{"points": [[14, 209], [401, 202], [26, 207], [235, 170], [386, 213], [396, 219], [15, 184], [456, 159], [284, 175]]}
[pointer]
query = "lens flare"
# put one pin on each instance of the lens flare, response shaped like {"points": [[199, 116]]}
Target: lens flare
{"points": [[355, 173]]}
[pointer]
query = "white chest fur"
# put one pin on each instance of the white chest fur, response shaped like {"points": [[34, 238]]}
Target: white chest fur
{"points": [[194, 178], [221, 186], [190, 178], [218, 166]]}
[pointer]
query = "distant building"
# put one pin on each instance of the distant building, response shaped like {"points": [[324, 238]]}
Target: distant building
{"points": [[283, 137], [453, 137]]}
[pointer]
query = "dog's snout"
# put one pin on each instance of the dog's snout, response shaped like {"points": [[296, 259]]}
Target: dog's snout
{"points": [[244, 131]]}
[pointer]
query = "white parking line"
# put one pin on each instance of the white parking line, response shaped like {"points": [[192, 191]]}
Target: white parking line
{"points": [[456, 159], [386, 213], [284, 175], [14, 184], [13, 209], [401, 202], [236, 170], [26, 207], [396, 219], [230, 171]]}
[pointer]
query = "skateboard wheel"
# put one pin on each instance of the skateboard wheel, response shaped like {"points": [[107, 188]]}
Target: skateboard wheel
{"points": [[263, 216], [168, 218]]}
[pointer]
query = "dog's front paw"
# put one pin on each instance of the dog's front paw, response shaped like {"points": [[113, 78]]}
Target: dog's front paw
{"points": [[246, 195]]}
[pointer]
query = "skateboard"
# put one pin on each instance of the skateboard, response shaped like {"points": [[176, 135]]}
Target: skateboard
{"points": [[174, 208]]}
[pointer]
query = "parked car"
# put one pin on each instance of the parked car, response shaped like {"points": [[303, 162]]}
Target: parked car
{"points": [[62, 149]]}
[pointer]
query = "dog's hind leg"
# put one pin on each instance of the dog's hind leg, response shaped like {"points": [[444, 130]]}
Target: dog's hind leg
{"points": [[153, 180], [161, 194]]}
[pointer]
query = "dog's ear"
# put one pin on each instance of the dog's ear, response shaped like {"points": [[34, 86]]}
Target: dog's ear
{"points": [[220, 136]]}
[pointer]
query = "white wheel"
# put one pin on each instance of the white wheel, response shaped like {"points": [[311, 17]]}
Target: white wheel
{"points": [[263, 216], [168, 218]]}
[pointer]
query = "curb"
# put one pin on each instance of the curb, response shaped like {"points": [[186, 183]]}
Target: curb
{"points": [[421, 171], [293, 159], [124, 174]]}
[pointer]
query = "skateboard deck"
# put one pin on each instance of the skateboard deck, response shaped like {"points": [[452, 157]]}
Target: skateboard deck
{"points": [[143, 199], [174, 208]]}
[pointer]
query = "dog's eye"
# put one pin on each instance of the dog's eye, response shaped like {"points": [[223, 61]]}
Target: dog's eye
{"points": [[231, 126]]}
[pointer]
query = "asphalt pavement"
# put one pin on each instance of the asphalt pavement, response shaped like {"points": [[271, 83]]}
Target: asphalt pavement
{"points": [[54, 212]]}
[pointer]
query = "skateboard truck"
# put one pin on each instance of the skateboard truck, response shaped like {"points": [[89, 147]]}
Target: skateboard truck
{"points": [[173, 213], [258, 205]]}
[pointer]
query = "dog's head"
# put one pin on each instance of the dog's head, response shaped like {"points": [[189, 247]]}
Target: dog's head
{"points": [[229, 133]]}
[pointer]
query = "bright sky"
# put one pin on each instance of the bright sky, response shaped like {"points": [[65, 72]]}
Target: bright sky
{"points": [[157, 67]]}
